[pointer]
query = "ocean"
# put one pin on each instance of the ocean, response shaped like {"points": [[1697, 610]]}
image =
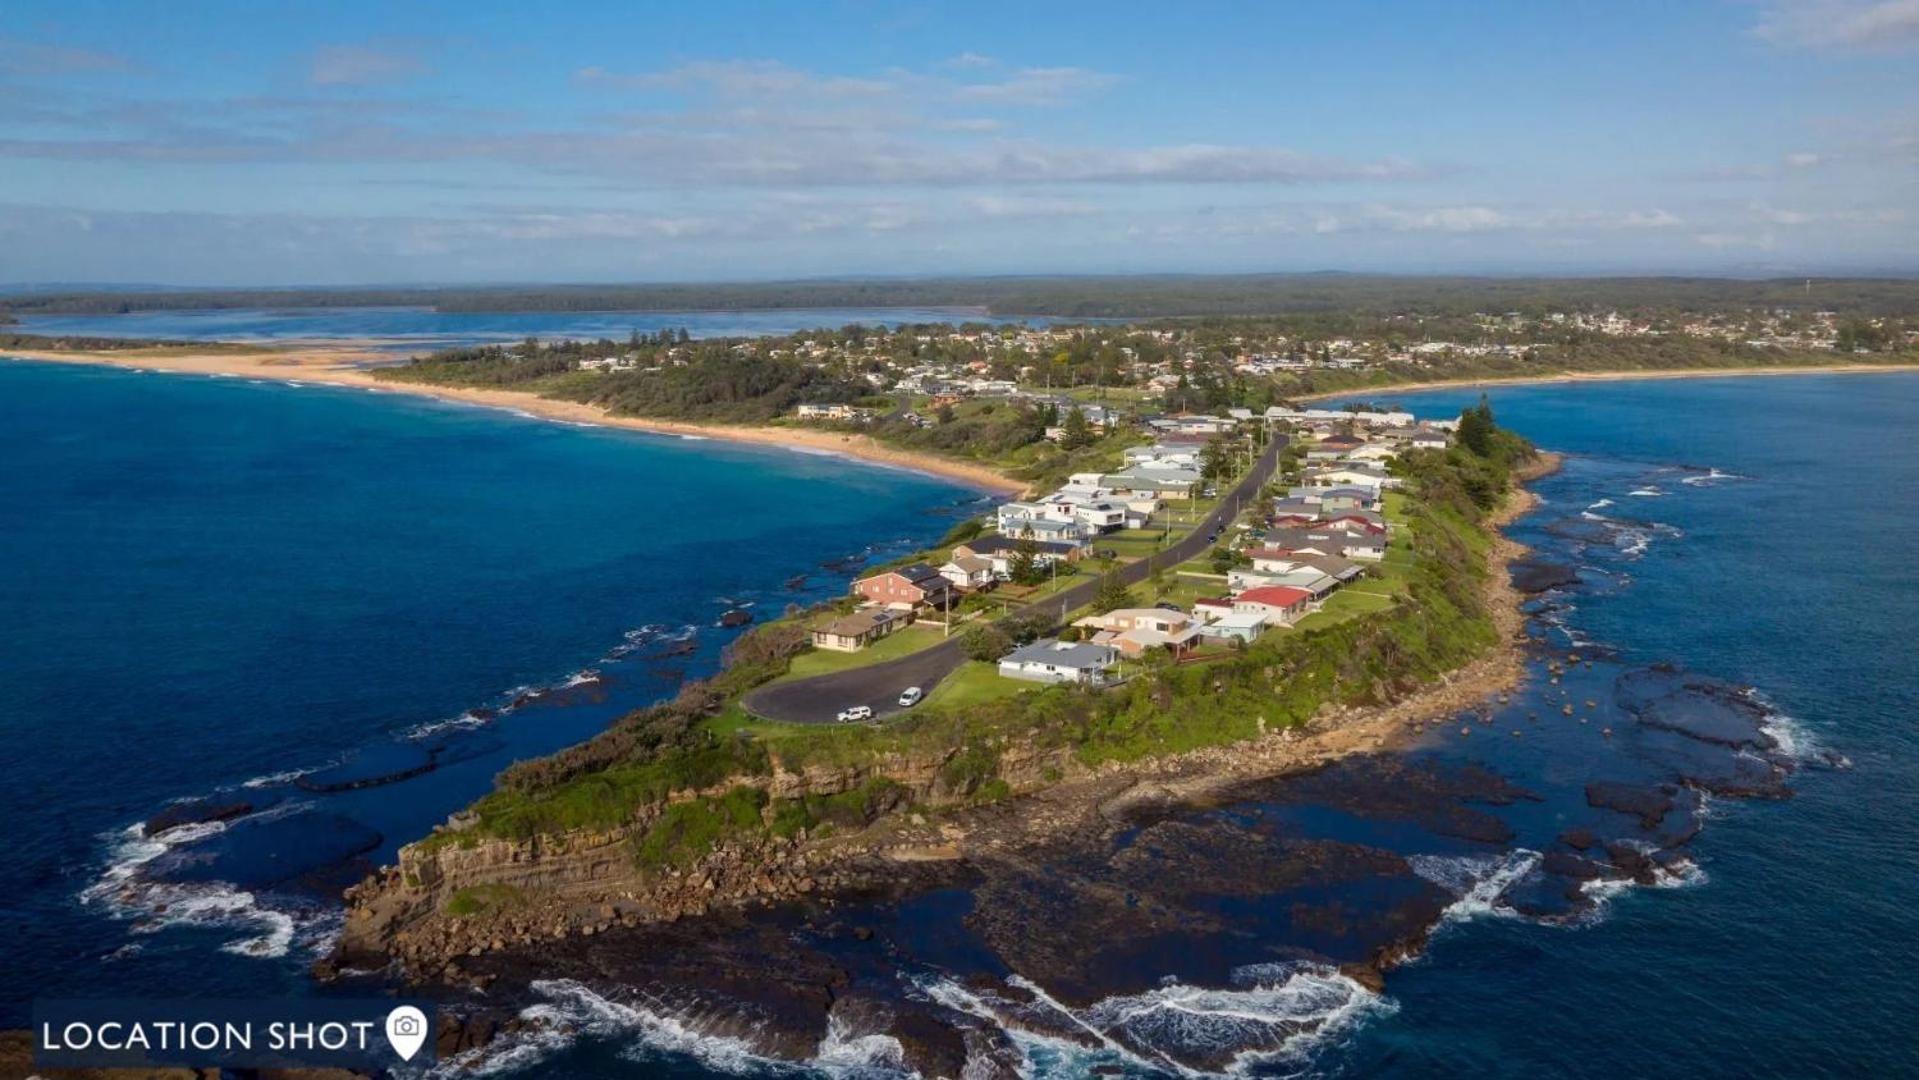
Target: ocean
{"points": [[1721, 700], [270, 579], [226, 589], [412, 329]]}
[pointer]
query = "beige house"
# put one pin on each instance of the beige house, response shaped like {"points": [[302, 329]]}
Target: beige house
{"points": [[1134, 631], [851, 633]]}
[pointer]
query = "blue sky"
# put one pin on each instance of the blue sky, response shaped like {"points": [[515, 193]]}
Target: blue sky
{"points": [[241, 143]]}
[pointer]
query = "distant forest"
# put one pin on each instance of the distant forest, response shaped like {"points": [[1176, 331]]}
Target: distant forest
{"points": [[1146, 297]]}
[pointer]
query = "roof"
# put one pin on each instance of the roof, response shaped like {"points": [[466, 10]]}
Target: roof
{"points": [[1237, 620], [1279, 596], [917, 573], [994, 545], [1059, 653], [971, 564], [857, 624]]}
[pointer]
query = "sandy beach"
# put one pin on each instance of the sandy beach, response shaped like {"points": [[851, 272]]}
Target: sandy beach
{"points": [[345, 365], [1614, 376]]}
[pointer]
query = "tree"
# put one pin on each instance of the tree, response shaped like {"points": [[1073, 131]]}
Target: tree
{"points": [[1476, 428], [1216, 461], [1077, 431], [1112, 595], [1023, 567], [985, 643]]}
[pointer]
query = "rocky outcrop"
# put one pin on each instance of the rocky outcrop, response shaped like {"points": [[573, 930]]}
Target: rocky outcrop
{"points": [[582, 883]]}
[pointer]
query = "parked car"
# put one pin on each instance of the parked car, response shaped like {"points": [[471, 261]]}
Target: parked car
{"points": [[855, 714], [911, 697], [1167, 605]]}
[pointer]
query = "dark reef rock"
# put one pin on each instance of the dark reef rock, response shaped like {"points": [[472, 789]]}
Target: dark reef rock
{"points": [[736, 617], [1649, 804], [1537, 575], [195, 812], [377, 765]]}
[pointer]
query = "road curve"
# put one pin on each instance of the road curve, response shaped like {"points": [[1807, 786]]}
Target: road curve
{"points": [[818, 700]]}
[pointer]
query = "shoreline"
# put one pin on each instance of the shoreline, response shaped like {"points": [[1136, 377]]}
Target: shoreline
{"points": [[1085, 802], [335, 367], [1570, 377]]}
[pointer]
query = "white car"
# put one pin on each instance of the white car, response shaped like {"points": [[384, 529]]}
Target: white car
{"points": [[911, 697], [855, 714]]}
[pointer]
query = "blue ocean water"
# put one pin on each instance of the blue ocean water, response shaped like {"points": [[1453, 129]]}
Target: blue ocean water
{"points": [[210, 584], [304, 579], [1796, 574], [421, 328], [1758, 531]]}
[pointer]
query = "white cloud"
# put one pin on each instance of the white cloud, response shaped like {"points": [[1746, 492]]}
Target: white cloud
{"points": [[1870, 25], [362, 65], [968, 61], [35, 58], [1038, 86]]}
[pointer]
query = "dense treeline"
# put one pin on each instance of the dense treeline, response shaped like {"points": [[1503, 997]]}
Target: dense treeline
{"points": [[1152, 296], [713, 380]]}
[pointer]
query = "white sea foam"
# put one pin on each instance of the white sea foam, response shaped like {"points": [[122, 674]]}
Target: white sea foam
{"points": [[1711, 476], [571, 1010], [696, 438], [582, 677], [846, 1053], [1479, 882], [466, 721], [121, 890], [278, 778], [1600, 505], [1271, 1014], [1647, 492]]}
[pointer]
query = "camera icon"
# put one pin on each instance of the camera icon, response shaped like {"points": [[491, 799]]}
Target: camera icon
{"points": [[406, 1025]]}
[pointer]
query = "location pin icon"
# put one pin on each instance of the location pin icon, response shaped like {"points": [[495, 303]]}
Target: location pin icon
{"points": [[406, 1030]]}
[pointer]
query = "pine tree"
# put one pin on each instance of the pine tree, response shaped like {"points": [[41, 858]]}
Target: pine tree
{"points": [[1112, 595]]}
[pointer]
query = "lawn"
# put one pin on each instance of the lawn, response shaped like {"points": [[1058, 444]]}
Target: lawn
{"points": [[1355, 599], [972, 683], [901, 642]]}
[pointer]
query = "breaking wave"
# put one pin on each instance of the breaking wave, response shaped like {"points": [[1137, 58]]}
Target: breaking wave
{"points": [[1270, 1014], [572, 1011], [1478, 882], [124, 893]]}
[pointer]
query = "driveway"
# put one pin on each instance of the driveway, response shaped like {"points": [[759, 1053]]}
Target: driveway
{"points": [[819, 699]]}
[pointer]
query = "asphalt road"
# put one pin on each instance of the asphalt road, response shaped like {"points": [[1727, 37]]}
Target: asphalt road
{"points": [[818, 700]]}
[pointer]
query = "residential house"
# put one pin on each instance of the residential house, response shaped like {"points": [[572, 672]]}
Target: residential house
{"points": [[908, 588], [969, 573], [1134, 631], [1235, 625], [1000, 552], [832, 412], [851, 633], [1053, 661], [1282, 605]]}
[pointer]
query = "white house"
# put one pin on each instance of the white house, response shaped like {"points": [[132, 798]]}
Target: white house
{"points": [[1053, 661]]}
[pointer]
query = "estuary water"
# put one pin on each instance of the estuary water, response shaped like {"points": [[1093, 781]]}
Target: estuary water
{"points": [[327, 617], [412, 328]]}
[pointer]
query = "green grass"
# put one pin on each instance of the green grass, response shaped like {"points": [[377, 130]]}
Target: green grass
{"points": [[475, 899], [1347, 603], [685, 831], [902, 642], [972, 683]]}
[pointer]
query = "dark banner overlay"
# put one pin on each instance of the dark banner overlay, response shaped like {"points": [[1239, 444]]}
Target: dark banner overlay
{"points": [[378, 1033]]}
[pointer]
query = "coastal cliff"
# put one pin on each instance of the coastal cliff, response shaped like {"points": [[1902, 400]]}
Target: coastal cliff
{"points": [[789, 821]]}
